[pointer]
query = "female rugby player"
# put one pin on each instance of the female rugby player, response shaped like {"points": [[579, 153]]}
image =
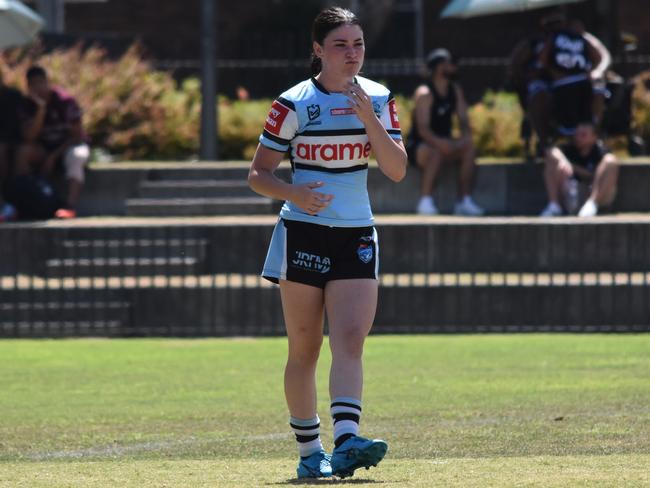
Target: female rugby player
{"points": [[324, 250]]}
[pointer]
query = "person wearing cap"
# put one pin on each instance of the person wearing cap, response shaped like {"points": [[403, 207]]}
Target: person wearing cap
{"points": [[430, 141]]}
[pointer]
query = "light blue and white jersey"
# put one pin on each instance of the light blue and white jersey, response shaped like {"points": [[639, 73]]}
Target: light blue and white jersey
{"points": [[327, 142]]}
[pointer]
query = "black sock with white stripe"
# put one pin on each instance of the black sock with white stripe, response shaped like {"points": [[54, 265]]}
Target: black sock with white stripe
{"points": [[346, 413], [307, 435]]}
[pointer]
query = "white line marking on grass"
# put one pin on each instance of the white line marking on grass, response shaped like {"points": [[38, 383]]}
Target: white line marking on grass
{"points": [[118, 450]]}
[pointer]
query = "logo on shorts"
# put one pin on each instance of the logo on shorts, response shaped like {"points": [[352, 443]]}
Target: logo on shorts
{"points": [[313, 111], [364, 251], [311, 262]]}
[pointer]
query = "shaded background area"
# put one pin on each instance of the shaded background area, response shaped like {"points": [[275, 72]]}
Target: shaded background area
{"points": [[264, 44]]}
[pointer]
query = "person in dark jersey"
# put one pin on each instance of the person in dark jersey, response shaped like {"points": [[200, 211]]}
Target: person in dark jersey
{"points": [[324, 249], [11, 103], [430, 142], [597, 73], [531, 81], [570, 58], [584, 161]]}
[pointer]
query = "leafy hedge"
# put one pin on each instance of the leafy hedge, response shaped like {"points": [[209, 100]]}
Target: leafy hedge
{"points": [[641, 105], [130, 109], [136, 112]]}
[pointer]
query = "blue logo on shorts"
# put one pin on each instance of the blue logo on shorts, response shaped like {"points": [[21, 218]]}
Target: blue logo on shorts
{"points": [[364, 251]]}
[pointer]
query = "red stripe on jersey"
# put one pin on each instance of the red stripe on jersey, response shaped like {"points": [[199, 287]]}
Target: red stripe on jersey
{"points": [[276, 117], [392, 110]]}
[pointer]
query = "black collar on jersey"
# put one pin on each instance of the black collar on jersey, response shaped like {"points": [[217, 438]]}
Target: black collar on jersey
{"points": [[320, 86]]}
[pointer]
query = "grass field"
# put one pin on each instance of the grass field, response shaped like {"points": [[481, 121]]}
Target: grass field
{"points": [[466, 411]]}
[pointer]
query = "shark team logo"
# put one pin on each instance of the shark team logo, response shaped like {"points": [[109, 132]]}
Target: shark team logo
{"points": [[364, 251], [313, 111]]}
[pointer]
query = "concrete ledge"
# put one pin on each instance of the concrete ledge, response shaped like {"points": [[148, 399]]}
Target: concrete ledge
{"points": [[409, 244], [503, 187]]}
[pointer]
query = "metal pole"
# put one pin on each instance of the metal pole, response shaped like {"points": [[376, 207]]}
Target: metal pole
{"points": [[208, 149], [419, 31], [59, 16], [53, 13]]}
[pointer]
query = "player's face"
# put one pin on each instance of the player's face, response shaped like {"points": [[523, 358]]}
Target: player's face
{"points": [[585, 136], [342, 51]]}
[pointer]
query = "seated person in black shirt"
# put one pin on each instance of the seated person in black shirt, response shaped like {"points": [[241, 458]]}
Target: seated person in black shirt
{"points": [[11, 101], [584, 160], [430, 142]]}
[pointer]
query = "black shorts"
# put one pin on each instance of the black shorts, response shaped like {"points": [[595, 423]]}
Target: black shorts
{"points": [[572, 105], [315, 254]]}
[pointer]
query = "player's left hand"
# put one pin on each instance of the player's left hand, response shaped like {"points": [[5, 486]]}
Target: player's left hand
{"points": [[360, 102]]}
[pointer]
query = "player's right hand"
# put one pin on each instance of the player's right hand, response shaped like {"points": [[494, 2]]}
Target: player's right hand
{"points": [[308, 199]]}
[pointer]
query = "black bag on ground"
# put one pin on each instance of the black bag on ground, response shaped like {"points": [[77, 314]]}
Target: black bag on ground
{"points": [[34, 198]]}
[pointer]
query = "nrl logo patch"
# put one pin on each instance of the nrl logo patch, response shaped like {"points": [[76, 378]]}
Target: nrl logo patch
{"points": [[364, 251], [313, 111]]}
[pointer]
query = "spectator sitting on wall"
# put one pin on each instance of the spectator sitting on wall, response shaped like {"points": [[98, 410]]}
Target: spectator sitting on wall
{"points": [[584, 160], [569, 58], [11, 101], [430, 142], [55, 138]]}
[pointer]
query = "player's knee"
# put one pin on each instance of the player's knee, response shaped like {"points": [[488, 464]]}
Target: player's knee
{"points": [[428, 157], [551, 160], [350, 341], [75, 160], [307, 354], [467, 150], [609, 163]]}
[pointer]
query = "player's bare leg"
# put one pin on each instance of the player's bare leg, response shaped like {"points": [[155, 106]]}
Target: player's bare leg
{"points": [[351, 306], [604, 187], [303, 315], [467, 156], [605, 181], [430, 161]]}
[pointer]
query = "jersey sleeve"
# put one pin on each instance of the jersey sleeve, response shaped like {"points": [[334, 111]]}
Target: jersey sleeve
{"points": [[281, 125], [390, 120]]}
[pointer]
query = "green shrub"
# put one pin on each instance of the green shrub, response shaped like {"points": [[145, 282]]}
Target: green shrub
{"points": [[641, 105], [240, 125], [129, 108], [495, 125]]}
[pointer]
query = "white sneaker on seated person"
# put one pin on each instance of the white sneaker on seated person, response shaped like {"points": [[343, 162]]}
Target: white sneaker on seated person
{"points": [[426, 206], [467, 206], [553, 209], [589, 209]]}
